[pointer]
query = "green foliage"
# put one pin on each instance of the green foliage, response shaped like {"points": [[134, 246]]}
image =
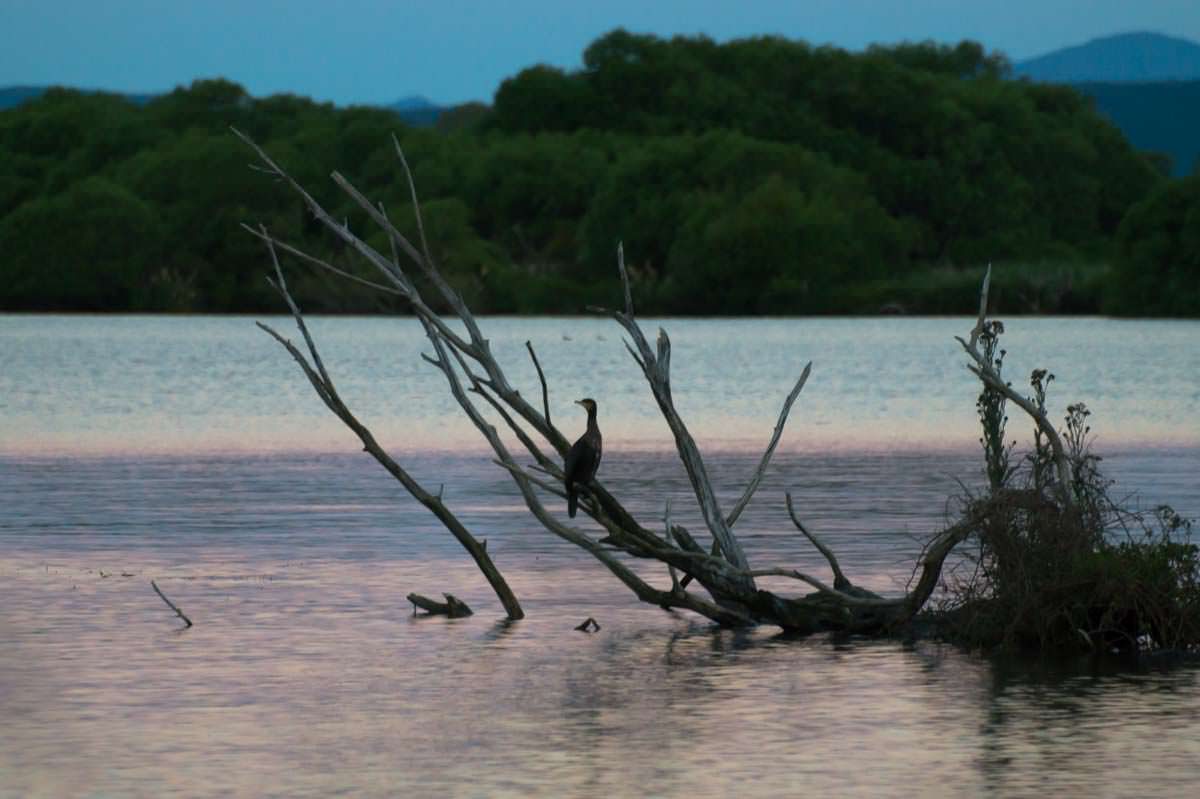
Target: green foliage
{"points": [[85, 249], [758, 176], [542, 98], [1047, 287], [735, 223], [1158, 254], [777, 249], [990, 405]]}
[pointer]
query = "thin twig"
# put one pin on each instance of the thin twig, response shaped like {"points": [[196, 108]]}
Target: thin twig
{"points": [[987, 374], [766, 457], [187, 622], [839, 579], [624, 279], [322, 264], [412, 189], [676, 588], [541, 379], [282, 288]]}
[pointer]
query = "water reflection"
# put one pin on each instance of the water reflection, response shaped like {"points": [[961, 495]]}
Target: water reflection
{"points": [[317, 681], [1138, 725]]}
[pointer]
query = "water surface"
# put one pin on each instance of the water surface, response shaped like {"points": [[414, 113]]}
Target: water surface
{"points": [[190, 451], [135, 384]]}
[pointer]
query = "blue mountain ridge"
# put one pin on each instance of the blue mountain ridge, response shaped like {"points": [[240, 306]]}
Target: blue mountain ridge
{"points": [[1140, 57]]}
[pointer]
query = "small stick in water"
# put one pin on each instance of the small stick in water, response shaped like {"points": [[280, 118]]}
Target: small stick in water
{"points": [[171, 604], [589, 625], [453, 607]]}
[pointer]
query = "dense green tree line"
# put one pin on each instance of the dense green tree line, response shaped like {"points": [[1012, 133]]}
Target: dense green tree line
{"points": [[759, 176]]}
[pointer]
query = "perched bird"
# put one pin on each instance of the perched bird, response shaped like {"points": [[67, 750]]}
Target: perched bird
{"points": [[583, 458]]}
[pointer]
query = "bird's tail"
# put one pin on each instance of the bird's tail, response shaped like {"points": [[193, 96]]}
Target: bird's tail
{"points": [[572, 502]]}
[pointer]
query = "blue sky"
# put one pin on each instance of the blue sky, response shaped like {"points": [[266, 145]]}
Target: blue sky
{"points": [[451, 51]]}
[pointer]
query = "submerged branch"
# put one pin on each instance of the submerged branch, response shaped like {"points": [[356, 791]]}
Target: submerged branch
{"points": [[453, 607], [323, 385], [186, 621]]}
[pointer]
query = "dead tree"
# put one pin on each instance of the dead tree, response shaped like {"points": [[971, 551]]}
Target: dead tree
{"points": [[728, 592]]}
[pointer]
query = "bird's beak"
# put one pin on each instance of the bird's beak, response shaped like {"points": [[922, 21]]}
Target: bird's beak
{"points": [[578, 402]]}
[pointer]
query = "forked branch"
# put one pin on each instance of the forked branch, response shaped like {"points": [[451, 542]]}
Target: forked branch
{"points": [[323, 385]]}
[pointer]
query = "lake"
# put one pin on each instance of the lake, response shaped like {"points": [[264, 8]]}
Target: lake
{"points": [[191, 451]]}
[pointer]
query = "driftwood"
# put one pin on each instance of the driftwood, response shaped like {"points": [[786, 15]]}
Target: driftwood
{"points": [[453, 607], [323, 385], [186, 621], [730, 595]]}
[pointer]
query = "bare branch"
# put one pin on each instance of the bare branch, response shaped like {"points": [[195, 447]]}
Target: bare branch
{"points": [[315, 379], [676, 588], [848, 599], [656, 369], [282, 288], [378, 218], [186, 621], [757, 477], [634, 355], [624, 279], [987, 374], [839, 579], [329, 396], [541, 379], [398, 278], [453, 607], [530, 447], [282, 245], [389, 269], [412, 188], [977, 331]]}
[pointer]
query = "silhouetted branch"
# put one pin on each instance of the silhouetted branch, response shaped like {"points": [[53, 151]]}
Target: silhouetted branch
{"points": [[186, 621]]}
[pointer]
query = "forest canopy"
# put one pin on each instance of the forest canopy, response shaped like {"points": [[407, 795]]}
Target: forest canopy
{"points": [[757, 176]]}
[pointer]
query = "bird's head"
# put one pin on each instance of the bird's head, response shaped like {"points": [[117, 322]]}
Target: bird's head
{"points": [[588, 404]]}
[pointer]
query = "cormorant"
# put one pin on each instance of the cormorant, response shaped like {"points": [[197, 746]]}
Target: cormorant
{"points": [[583, 458]]}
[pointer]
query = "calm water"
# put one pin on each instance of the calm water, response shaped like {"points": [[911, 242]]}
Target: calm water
{"points": [[190, 451]]}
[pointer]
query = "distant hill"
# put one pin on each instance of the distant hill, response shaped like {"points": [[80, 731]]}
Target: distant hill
{"points": [[1148, 84], [13, 96], [415, 110], [1163, 116], [1123, 58]]}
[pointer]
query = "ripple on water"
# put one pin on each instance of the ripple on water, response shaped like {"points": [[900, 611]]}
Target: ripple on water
{"points": [[305, 675]]}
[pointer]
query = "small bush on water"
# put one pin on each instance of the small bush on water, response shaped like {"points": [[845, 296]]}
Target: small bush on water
{"points": [[1049, 574]]}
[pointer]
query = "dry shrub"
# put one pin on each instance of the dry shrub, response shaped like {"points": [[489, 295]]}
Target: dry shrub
{"points": [[1051, 575]]}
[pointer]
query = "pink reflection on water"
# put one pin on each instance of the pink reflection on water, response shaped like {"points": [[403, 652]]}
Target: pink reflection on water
{"points": [[310, 678]]}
